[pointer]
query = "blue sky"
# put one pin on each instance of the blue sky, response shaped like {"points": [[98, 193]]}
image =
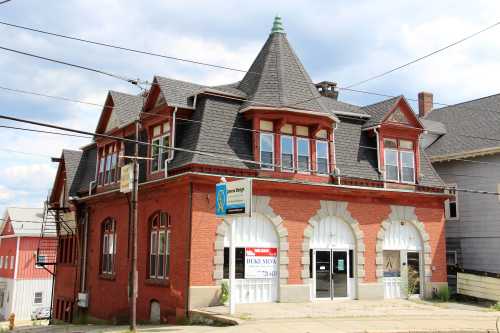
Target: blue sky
{"points": [[342, 41]]}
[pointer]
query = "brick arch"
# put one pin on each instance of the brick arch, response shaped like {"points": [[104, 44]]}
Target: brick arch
{"points": [[337, 209], [406, 214], [260, 205]]}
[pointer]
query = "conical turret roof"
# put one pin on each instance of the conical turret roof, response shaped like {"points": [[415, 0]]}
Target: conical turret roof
{"points": [[277, 78]]}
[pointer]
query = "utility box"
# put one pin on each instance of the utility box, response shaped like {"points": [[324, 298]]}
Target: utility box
{"points": [[83, 300]]}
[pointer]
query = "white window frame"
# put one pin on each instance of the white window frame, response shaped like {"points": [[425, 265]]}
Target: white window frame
{"points": [[155, 250], [447, 204], [1, 262], [293, 153], [161, 151], [263, 134], [35, 297], [397, 164], [401, 152], [308, 155], [455, 256], [318, 142]]}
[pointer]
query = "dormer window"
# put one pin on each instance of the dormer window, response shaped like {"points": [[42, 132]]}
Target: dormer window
{"points": [[160, 140], [399, 160], [108, 164], [295, 148], [322, 159], [266, 145]]}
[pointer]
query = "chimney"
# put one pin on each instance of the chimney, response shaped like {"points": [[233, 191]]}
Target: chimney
{"points": [[425, 103], [328, 89]]}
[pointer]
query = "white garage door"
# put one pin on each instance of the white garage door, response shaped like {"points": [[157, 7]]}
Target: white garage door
{"points": [[256, 232]]}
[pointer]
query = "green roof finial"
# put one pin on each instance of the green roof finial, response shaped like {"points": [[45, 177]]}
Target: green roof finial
{"points": [[277, 25]]}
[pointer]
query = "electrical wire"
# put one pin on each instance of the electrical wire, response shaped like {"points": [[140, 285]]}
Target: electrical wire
{"points": [[424, 56], [98, 71], [216, 156], [4, 1]]}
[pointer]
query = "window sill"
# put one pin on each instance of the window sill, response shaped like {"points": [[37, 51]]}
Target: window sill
{"points": [[158, 282], [109, 277]]}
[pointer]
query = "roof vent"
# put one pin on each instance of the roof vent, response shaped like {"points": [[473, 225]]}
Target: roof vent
{"points": [[328, 89]]}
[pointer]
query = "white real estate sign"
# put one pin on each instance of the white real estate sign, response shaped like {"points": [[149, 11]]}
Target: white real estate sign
{"points": [[261, 263], [234, 198]]}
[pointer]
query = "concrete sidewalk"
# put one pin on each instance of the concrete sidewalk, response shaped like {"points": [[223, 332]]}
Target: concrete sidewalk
{"points": [[390, 316]]}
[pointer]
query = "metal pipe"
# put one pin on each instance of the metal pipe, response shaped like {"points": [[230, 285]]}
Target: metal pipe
{"points": [[172, 142]]}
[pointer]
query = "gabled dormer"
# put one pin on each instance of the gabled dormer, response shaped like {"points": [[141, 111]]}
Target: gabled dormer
{"points": [[397, 130]]}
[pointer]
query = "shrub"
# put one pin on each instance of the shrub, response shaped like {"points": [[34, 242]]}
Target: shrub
{"points": [[443, 294], [224, 295], [496, 306]]}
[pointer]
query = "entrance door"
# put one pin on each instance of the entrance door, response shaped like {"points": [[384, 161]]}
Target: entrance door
{"points": [[339, 276], [323, 274], [331, 274]]}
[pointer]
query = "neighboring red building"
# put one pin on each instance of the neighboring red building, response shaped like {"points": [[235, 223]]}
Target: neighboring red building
{"points": [[25, 287], [343, 195]]}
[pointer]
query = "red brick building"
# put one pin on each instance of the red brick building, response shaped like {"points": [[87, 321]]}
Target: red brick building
{"points": [[343, 193]]}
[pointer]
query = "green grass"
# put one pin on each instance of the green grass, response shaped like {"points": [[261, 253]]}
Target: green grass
{"points": [[495, 307]]}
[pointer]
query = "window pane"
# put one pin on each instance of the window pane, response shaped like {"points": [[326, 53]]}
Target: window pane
{"points": [[405, 144], [287, 153], [161, 265], [303, 154], [155, 151], [407, 159], [391, 172], [391, 157], [453, 209], [322, 157], [266, 150], [225, 266], [408, 175], [165, 142], [390, 143], [161, 246], [152, 265], [153, 244]]}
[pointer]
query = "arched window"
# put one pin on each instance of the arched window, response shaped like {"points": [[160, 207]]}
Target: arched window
{"points": [[108, 246], [159, 246]]}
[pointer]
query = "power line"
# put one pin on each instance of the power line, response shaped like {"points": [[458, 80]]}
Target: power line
{"points": [[4, 1], [209, 154], [42, 131], [124, 48], [424, 56], [98, 71], [23, 152]]}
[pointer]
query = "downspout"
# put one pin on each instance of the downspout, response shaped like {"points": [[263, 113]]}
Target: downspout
{"points": [[336, 170], [375, 129], [188, 245], [84, 251], [172, 142]]}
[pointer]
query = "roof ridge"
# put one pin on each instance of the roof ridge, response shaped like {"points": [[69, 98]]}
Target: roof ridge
{"points": [[383, 101], [183, 81], [465, 102]]}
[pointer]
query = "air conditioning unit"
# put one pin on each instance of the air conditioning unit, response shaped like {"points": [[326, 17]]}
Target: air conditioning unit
{"points": [[83, 300]]}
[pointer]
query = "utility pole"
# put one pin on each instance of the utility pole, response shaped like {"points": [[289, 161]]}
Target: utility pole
{"points": [[133, 229]]}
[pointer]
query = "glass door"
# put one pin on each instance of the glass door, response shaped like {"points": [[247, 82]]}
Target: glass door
{"points": [[339, 273], [323, 274], [413, 273]]}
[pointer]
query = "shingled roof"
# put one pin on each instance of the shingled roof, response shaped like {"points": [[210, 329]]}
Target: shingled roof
{"points": [[276, 79], [379, 110], [470, 127]]}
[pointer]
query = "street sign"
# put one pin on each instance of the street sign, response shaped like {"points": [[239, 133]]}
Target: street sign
{"points": [[233, 198], [127, 178], [261, 263]]}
